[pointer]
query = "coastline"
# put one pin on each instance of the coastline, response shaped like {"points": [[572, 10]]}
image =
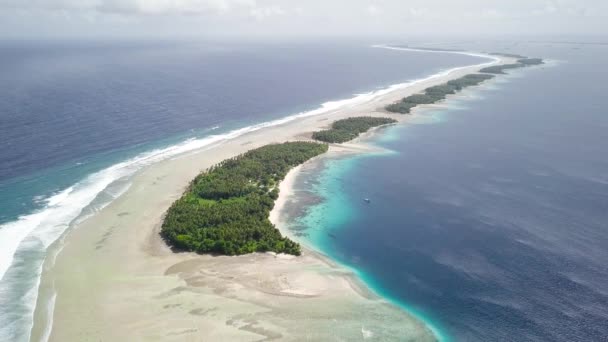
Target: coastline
{"points": [[114, 278]]}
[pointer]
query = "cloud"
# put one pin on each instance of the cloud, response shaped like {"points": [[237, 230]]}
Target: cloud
{"points": [[261, 13], [296, 17], [418, 12], [550, 7], [146, 7], [50, 5], [374, 10], [492, 13]]}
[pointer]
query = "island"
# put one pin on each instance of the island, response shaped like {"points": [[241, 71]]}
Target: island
{"points": [[225, 209], [522, 62], [350, 128], [437, 93], [510, 55], [531, 61]]}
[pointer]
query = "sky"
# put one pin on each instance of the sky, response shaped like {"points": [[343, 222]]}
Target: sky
{"points": [[288, 18]]}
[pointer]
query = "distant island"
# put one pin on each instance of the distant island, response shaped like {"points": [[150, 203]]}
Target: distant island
{"points": [[522, 62], [503, 54], [225, 209], [436, 93], [531, 61], [430, 49], [439, 92], [350, 128]]}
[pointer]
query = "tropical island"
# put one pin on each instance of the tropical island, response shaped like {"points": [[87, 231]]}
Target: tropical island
{"points": [[522, 62], [225, 209], [510, 55], [437, 93], [350, 128]]}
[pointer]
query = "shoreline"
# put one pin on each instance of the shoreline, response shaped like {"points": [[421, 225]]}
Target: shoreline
{"points": [[124, 260], [358, 146]]}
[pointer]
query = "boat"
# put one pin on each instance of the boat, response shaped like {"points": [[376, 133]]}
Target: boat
{"points": [[367, 200]]}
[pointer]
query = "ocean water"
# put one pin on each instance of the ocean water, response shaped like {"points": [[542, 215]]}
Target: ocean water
{"points": [[489, 215], [78, 119]]}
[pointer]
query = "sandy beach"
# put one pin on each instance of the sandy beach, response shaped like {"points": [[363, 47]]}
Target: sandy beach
{"points": [[112, 278]]}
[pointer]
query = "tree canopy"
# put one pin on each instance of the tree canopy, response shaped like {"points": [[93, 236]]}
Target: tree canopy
{"points": [[512, 55], [350, 128], [522, 62], [436, 93], [531, 61], [225, 209], [500, 69]]}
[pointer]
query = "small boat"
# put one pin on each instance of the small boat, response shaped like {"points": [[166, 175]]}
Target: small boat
{"points": [[366, 200]]}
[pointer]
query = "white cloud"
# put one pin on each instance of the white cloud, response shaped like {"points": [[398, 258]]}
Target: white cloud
{"points": [[550, 7], [374, 10], [418, 12], [261, 13], [50, 4], [154, 7], [492, 13], [296, 17]]}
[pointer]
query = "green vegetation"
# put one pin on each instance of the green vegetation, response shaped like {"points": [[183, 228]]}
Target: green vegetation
{"points": [[348, 129], [436, 93], [468, 81], [400, 107], [523, 62], [500, 69], [531, 61], [512, 55], [225, 209], [440, 91]]}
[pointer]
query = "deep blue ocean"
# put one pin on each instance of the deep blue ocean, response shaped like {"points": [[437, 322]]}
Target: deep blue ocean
{"points": [[488, 216], [78, 119]]}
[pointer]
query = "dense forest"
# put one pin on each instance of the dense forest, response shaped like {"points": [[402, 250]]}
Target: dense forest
{"points": [[531, 61], [350, 128], [500, 69], [437, 93], [522, 62], [512, 55], [225, 209]]}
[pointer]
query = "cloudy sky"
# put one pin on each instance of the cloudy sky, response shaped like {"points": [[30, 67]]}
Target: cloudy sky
{"points": [[202, 18]]}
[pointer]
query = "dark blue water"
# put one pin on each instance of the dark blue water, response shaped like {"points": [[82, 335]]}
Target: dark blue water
{"points": [[78, 119], [490, 217]]}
